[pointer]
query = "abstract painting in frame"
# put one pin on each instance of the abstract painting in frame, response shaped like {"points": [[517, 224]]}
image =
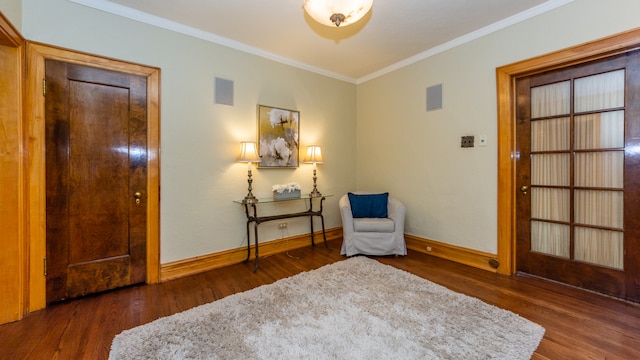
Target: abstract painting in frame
{"points": [[278, 131]]}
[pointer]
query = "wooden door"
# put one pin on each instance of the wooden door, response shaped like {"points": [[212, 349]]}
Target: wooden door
{"points": [[96, 156], [578, 171]]}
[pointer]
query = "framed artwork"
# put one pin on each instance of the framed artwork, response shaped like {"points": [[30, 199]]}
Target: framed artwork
{"points": [[278, 131]]}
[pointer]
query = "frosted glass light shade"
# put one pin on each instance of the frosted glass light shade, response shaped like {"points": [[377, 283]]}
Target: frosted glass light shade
{"points": [[337, 12], [314, 155]]}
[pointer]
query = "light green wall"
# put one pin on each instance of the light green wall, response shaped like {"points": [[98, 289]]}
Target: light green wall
{"points": [[451, 192], [199, 139], [12, 10]]}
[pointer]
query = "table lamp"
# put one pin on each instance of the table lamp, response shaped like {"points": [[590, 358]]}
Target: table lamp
{"points": [[248, 154], [314, 156]]}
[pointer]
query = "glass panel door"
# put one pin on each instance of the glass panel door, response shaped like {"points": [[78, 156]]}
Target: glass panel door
{"points": [[578, 175]]}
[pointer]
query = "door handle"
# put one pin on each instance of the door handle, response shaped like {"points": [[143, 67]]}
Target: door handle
{"points": [[137, 195], [524, 189]]}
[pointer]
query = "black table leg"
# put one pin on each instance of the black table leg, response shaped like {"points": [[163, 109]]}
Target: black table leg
{"points": [[313, 243], [324, 235], [255, 227], [248, 243]]}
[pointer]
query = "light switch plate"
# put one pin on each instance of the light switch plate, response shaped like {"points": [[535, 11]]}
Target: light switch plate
{"points": [[466, 141]]}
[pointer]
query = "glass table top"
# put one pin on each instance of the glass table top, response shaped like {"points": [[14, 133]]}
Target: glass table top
{"points": [[272, 200]]}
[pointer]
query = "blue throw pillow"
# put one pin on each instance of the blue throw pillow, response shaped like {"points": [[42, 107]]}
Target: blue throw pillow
{"points": [[369, 205]]}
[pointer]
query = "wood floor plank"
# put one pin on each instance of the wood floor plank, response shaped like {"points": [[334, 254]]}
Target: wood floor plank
{"points": [[579, 324]]}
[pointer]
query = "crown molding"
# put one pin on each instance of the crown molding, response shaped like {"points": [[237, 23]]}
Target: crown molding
{"points": [[520, 17], [163, 23]]}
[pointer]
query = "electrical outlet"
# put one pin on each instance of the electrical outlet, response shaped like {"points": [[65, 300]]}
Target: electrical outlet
{"points": [[282, 226], [466, 141]]}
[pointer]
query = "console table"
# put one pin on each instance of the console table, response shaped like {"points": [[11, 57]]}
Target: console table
{"points": [[251, 210]]}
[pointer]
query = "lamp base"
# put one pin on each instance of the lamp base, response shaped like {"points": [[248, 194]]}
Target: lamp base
{"points": [[315, 193], [250, 199]]}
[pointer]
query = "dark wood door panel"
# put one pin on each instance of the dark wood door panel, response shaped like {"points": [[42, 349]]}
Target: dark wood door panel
{"points": [[96, 276], [632, 181], [96, 162], [99, 171], [57, 180]]}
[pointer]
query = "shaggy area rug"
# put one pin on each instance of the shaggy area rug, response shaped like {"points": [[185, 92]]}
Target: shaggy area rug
{"points": [[353, 309]]}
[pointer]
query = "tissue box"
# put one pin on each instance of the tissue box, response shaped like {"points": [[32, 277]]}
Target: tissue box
{"points": [[286, 195]]}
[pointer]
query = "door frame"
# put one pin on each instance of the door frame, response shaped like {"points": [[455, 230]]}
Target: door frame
{"points": [[506, 95], [12, 175], [34, 117]]}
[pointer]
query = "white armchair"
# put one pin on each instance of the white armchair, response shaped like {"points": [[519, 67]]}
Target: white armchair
{"points": [[373, 236]]}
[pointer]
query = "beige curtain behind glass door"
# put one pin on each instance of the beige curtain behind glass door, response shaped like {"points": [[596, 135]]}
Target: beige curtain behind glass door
{"points": [[593, 153]]}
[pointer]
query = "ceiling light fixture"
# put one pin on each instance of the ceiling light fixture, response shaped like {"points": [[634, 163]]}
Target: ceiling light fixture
{"points": [[337, 12]]}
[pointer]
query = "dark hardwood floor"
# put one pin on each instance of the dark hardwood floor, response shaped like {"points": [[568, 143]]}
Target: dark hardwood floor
{"points": [[579, 324]]}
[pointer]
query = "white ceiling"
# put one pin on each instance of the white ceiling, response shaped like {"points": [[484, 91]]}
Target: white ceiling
{"points": [[393, 34]]}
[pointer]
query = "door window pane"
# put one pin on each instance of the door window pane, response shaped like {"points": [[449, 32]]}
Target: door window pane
{"points": [[550, 169], [601, 247], [551, 204], [550, 238], [551, 100], [599, 92], [599, 131], [599, 208], [551, 134], [600, 169]]}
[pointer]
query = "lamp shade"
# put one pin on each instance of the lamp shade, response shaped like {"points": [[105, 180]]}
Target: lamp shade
{"points": [[337, 12], [314, 155], [248, 152]]}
